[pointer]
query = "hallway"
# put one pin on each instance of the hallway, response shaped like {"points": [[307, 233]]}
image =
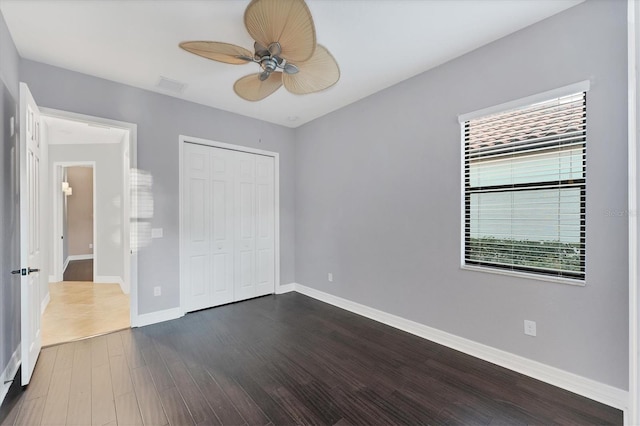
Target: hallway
{"points": [[79, 270], [83, 309]]}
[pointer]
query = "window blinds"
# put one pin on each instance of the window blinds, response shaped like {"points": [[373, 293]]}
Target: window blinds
{"points": [[524, 188]]}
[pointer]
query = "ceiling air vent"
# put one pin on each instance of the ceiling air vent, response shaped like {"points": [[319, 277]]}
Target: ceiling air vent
{"points": [[171, 85]]}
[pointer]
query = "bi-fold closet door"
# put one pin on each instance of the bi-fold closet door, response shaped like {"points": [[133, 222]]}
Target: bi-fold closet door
{"points": [[228, 226]]}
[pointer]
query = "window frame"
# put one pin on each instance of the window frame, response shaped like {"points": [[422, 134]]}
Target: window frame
{"points": [[522, 272]]}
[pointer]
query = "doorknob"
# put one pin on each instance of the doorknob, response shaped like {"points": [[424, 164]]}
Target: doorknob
{"points": [[24, 271]]}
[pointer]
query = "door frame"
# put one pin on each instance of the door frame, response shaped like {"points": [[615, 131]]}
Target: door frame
{"points": [[58, 217], [182, 140], [130, 259], [632, 413]]}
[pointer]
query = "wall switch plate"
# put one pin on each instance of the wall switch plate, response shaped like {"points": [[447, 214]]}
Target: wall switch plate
{"points": [[156, 232], [90, 245], [330, 277], [530, 328], [157, 291]]}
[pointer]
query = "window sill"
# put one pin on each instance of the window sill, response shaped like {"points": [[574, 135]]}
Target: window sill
{"points": [[569, 281]]}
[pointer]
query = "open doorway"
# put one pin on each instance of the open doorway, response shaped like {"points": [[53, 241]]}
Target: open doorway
{"points": [[78, 224], [90, 252]]}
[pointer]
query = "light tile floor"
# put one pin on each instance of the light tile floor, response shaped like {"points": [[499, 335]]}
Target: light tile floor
{"points": [[82, 309]]}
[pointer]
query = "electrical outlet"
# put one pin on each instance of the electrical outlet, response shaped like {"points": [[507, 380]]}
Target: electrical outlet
{"points": [[530, 328], [330, 277], [90, 245], [157, 291]]}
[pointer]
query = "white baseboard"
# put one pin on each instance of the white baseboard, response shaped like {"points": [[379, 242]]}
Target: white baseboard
{"points": [[45, 302], [588, 388], [9, 373], [108, 279], [285, 288], [174, 313], [156, 317], [80, 257], [75, 257], [111, 279]]}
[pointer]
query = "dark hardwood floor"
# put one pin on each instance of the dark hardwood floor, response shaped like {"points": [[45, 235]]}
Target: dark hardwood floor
{"points": [[283, 360], [79, 270]]}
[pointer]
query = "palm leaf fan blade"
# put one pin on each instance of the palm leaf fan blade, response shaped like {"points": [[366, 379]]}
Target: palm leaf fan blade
{"points": [[252, 89], [287, 22], [218, 51], [318, 73]]}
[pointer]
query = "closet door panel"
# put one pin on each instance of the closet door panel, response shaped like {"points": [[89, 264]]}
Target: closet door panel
{"points": [[265, 225], [199, 280], [245, 215], [196, 227], [222, 226]]}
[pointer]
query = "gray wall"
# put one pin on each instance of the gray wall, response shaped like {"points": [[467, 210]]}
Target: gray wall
{"points": [[378, 198], [377, 190], [161, 119], [9, 60], [9, 241], [108, 184]]}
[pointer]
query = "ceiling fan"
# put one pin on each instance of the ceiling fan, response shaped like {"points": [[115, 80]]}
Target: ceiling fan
{"points": [[285, 48]]}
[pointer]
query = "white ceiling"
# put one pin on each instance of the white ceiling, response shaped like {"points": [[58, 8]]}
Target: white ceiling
{"points": [[377, 43]]}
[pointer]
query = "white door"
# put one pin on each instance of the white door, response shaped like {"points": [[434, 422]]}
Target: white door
{"points": [[265, 225], [221, 217], [208, 226], [196, 202], [245, 216], [30, 251], [228, 226]]}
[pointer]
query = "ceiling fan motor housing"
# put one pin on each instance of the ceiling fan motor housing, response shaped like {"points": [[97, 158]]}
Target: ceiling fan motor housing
{"points": [[269, 64]]}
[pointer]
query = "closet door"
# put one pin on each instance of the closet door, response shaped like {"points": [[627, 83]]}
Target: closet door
{"points": [[228, 238], [222, 226], [208, 226], [265, 225], [255, 226], [245, 215], [196, 267]]}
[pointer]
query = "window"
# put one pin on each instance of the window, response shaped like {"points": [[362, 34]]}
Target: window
{"points": [[524, 188]]}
